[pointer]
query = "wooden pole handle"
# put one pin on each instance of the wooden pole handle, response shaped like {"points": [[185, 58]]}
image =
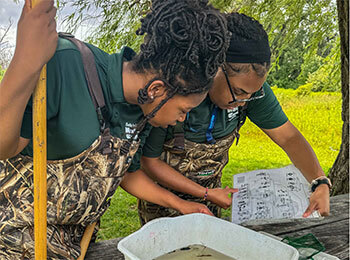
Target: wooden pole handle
{"points": [[39, 164], [85, 241]]}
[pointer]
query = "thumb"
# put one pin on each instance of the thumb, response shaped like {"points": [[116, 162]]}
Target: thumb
{"points": [[206, 211]]}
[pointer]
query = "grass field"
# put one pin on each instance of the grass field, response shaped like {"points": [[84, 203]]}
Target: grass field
{"points": [[317, 116]]}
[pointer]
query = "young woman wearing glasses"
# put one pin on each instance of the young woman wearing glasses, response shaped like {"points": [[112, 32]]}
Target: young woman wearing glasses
{"points": [[189, 157]]}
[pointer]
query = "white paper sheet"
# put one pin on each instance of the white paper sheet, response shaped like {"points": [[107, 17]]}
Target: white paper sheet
{"points": [[270, 194]]}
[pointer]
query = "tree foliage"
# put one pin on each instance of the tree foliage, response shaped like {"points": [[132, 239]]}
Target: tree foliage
{"points": [[303, 34], [2, 72], [117, 21], [5, 47], [304, 39]]}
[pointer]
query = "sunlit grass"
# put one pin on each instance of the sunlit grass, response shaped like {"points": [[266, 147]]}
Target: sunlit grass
{"points": [[317, 116]]}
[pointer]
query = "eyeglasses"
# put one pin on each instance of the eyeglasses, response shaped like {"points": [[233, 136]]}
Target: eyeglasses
{"points": [[234, 100]]}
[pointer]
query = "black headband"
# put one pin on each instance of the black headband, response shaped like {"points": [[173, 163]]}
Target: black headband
{"points": [[248, 51]]}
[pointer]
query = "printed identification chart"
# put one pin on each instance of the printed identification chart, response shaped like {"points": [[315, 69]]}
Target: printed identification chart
{"points": [[270, 194]]}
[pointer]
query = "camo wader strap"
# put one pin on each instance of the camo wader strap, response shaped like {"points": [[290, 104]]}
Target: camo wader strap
{"points": [[91, 76], [179, 137], [242, 116], [95, 89]]}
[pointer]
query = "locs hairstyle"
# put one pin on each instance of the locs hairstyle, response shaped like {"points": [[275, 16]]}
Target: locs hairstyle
{"points": [[184, 45]]}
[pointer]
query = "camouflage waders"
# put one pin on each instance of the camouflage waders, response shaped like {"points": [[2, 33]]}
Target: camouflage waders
{"points": [[201, 163], [78, 189]]}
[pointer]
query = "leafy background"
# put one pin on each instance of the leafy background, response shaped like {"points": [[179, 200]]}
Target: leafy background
{"points": [[305, 74]]}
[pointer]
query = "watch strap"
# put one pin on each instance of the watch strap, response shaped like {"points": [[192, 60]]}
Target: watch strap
{"points": [[317, 182]]}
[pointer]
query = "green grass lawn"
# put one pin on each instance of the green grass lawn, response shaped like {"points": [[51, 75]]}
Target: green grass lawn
{"points": [[317, 116]]}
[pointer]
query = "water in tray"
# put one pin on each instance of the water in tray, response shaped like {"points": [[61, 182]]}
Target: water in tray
{"points": [[194, 252]]}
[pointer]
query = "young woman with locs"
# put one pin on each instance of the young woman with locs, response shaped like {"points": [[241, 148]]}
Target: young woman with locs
{"points": [[91, 153]]}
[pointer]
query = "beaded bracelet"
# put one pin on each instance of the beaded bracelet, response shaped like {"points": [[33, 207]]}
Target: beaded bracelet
{"points": [[206, 194]]}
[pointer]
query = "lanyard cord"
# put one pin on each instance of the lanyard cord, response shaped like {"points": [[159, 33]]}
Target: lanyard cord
{"points": [[209, 134]]}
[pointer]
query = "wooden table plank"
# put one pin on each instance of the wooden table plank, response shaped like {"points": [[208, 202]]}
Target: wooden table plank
{"points": [[334, 236], [332, 231], [105, 250]]}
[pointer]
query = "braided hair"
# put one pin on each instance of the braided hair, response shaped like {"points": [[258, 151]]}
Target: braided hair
{"points": [[184, 45], [243, 28]]}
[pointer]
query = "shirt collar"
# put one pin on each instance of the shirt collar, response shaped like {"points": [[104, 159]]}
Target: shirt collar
{"points": [[115, 73]]}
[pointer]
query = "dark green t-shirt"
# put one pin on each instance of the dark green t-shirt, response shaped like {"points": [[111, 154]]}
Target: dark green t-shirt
{"points": [[72, 123], [266, 113]]}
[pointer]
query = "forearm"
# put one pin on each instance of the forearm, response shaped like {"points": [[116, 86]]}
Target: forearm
{"points": [[168, 177], [35, 44], [297, 148], [303, 157], [141, 186], [15, 92]]}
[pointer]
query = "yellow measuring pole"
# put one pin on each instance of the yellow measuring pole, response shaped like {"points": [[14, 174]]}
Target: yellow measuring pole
{"points": [[39, 161], [40, 174]]}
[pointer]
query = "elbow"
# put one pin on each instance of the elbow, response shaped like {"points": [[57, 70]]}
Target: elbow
{"points": [[149, 165], [10, 149], [144, 162], [5, 155], [5, 151], [147, 162]]}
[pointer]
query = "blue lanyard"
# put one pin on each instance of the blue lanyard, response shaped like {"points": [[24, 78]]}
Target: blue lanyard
{"points": [[188, 120], [209, 134]]}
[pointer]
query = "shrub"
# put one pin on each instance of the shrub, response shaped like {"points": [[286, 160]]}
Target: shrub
{"points": [[304, 90]]}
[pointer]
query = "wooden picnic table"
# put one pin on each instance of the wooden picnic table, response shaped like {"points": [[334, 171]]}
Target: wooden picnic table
{"points": [[332, 231]]}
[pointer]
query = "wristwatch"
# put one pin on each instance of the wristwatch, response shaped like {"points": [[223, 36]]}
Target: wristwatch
{"points": [[318, 181]]}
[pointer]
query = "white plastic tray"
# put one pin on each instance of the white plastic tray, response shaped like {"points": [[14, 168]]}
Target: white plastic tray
{"points": [[164, 235]]}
